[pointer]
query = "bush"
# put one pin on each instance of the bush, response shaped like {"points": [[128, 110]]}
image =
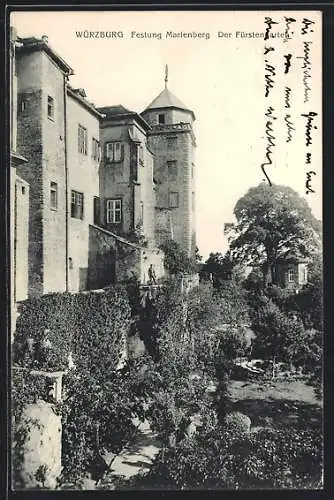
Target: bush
{"points": [[176, 261], [98, 401], [91, 325], [225, 459]]}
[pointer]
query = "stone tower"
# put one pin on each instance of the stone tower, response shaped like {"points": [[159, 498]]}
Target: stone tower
{"points": [[172, 141]]}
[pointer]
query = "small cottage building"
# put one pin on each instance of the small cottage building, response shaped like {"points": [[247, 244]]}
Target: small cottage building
{"points": [[291, 272]]}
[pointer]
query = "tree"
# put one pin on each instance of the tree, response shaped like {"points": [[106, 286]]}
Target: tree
{"points": [[176, 260], [272, 220], [279, 336]]}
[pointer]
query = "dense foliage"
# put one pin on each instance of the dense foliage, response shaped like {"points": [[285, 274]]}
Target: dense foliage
{"points": [[177, 261], [272, 220], [223, 457], [98, 404], [90, 325], [193, 338]]}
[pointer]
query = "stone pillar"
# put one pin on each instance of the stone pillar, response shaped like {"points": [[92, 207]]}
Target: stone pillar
{"points": [[41, 464]]}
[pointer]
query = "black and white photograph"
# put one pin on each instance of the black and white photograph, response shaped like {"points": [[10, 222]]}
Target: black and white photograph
{"points": [[166, 250]]}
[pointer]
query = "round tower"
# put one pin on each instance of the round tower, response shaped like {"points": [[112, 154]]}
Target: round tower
{"points": [[172, 141]]}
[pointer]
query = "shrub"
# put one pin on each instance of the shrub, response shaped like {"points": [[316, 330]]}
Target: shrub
{"points": [[225, 459], [176, 261], [91, 325]]}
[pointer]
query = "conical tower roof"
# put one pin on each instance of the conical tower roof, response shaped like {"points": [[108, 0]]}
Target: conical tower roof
{"points": [[166, 99]]}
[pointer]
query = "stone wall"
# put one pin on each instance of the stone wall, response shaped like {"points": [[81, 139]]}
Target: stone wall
{"points": [[83, 176], [40, 139], [42, 449], [173, 145], [179, 182], [29, 143], [163, 225], [115, 177], [101, 259], [54, 221], [21, 241]]}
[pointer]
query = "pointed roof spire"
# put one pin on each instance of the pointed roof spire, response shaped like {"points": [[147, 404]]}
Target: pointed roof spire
{"points": [[166, 99]]}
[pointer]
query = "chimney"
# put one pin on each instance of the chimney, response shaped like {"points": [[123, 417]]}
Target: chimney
{"points": [[45, 38]]}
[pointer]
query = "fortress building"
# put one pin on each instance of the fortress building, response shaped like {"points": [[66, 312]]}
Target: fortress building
{"points": [[172, 141], [94, 191]]}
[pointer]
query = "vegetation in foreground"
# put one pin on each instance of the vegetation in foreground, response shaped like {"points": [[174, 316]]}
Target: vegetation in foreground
{"points": [[191, 341]]}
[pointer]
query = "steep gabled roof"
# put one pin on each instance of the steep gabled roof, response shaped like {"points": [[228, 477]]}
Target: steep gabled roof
{"points": [[32, 44], [115, 110], [119, 111]]}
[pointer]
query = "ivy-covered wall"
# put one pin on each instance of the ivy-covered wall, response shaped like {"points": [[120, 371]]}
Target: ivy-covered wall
{"points": [[93, 327]]}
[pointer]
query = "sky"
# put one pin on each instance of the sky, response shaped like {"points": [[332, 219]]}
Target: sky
{"points": [[220, 77]]}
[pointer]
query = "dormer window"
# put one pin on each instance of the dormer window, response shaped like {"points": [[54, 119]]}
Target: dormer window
{"points": [[161, 118], [114, 151]]}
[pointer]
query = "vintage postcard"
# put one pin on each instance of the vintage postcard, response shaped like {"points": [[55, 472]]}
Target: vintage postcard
{"points": [[166, 250]]}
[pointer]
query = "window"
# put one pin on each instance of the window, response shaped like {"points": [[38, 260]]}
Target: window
{"points": [[141, 154], [51, 108], [173, 199], [114, 211], [161, 118], [172, 170], [77, 205], [96, 209], [142, 212], [53, 195], [23, 103], [291, 275], [114, 151], [304, 275], [172, 141], [96, 150], [82, 140]]}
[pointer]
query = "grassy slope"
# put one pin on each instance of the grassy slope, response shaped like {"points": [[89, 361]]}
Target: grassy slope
{"points": [[277, 403]]}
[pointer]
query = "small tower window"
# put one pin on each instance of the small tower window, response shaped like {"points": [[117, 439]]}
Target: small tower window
{"points": [[142, 212], [96, 210], [172, 141], [291, 276], [51, 108], [53, 195], [23, 103], [161, 118], [173, 199], [141, 154], [172, 170]]}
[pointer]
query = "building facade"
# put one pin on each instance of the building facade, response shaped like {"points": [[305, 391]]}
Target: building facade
{"points": [[291, 272], [94, 191], [172, 141]]}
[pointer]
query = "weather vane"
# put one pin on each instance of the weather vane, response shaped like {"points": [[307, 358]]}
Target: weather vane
{"points": [[166, 75]]}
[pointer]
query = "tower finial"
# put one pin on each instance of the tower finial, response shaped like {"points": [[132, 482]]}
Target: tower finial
{"points": [[166, 75]]}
